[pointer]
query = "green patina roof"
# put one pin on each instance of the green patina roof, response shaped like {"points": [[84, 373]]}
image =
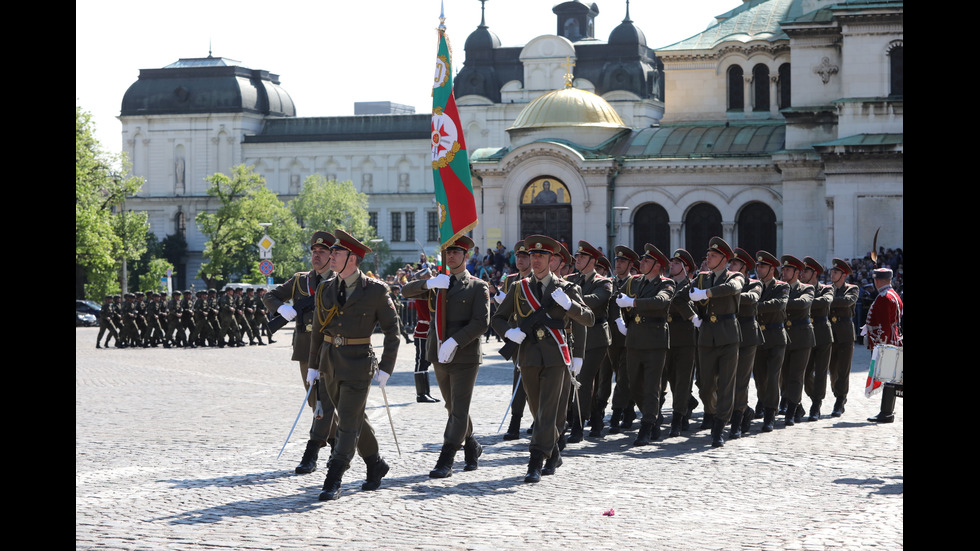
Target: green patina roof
{"points": [[865, 140], [753, 20]]}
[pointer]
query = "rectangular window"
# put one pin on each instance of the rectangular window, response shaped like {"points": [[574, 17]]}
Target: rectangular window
{"points": [[396, 226], [373, 220], [409, 226], [432, 223]]}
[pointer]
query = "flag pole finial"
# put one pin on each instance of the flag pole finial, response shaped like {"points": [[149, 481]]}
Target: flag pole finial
{"points": [[442, 15]]}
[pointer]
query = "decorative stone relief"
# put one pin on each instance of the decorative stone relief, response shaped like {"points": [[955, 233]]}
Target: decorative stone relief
{"points": [[826, 70]]}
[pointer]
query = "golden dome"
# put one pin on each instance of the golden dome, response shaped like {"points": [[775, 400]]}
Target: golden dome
{"points": [[568, 107]]}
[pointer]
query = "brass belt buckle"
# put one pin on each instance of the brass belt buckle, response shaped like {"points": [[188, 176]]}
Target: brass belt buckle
{"points": [[669, 318], [309, 327], [762, 326], [789, 323], [539, 333], [833, 319], [713, 318], [338, 341]]}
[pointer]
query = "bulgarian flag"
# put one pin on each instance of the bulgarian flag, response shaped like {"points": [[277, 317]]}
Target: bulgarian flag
{"points": [[450, 164], [873, 387]]}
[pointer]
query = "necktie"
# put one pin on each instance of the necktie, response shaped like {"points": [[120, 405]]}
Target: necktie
{"points": [[342, 294], [452, 282], [711, 280], [539, 290]]}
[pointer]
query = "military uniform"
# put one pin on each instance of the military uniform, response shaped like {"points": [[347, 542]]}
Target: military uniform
{"points": [[815, 382], [842, 323], [718, 338], [623, 412], [771, 315], [303, 286], [464, 312], [227, 310], [544, 361], [884, 327], [596, 292], [748, 305], [202, 328], [106, 324], [519, 400], [347, 311], [801, 341], [679, 370]]}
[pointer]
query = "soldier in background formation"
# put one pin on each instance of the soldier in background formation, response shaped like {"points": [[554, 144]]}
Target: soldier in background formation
{"points": [[177, 321]]}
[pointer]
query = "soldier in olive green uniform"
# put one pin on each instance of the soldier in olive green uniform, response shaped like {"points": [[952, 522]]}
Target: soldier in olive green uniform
{"points": [[300, 289], [648, 338], [229, 325], [544, 354], [523, 262], [748, 305], [623, 412], [771, 315], [842, 322], [106, 323], [679, 369], [815, 381], [347, 309], [801, 339], [717, 293], [596, 292], [130, 332], [460, 313]]}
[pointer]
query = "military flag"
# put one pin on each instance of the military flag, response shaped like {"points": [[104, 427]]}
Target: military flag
{"points": [[450, 164]]}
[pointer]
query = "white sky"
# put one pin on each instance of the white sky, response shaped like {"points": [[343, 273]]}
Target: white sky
{"points": [[328, 53]]}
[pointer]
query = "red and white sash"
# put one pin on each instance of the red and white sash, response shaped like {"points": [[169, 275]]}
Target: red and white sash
{"points": [[557, 334]]}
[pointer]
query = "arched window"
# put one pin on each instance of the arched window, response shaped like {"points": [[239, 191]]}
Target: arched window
{"points": [[760, 84], [896, 68], [703, 222], [785, 91], [757, 228], [651, 225], [736, 90]]}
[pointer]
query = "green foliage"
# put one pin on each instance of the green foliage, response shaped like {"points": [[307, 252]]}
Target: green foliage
{"points": [[104, 231], [233, 229], [328, 204], [155, 270]]}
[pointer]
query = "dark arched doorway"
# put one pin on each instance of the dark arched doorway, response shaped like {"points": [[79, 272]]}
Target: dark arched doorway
{"points": [[546, 209], [757, 228], [702, 223], [651, 224]]}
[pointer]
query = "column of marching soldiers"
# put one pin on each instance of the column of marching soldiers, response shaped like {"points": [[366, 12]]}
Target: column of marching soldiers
{"points": [[179, 320]]}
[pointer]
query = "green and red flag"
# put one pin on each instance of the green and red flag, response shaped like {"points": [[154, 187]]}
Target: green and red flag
{"points": [[450, 163]]}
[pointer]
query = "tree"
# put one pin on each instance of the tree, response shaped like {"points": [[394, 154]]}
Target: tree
{"points": [[328, 204], [234, 228], [104, 231]]}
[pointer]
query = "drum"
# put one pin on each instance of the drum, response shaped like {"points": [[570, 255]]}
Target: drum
{"points": [[887, 359]]}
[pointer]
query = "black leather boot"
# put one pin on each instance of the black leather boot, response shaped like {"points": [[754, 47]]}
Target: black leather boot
{"points": [[747, 416], [759, 411], [472, 450], [717, 433], [617, 417], [643, 435], [629, 415], [838, 407], [595, 423], [514, 429], [444, 466], [578, 432], [376, 470], [887, 413], [331, 486], [675, 426], [790, 414], [799, 413], [768, 419], [782, 406], [308, 464], [553, 462], [707, 421], [422, 389], [534, 466], [736, 424], [814, 411]]}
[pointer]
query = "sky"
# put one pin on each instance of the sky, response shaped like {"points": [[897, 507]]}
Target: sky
{"points": [[328, 53]]}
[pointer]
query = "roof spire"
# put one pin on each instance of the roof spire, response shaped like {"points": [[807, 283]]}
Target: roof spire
{"points": [[627, 20], [483, 18]]}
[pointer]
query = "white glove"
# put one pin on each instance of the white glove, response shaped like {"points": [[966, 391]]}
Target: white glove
{"points": [[696, 320], [514, 334], [561, 298], [318, 412], [287, 312], [312, 375], [621, 325], [624, 301], [382, 378], [447, 350], [500, 297], [576, 366], [698, 294], [441, 281], [864, 330]]}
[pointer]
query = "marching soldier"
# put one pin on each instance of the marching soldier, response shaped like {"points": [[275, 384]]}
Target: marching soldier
{"points": [[156, 313], [842, 322], [647, 339], [211, 307], [262, 316], [561, 265], [882, 327], [420, 338], [717, 293], [596, 292], [801, 339], [453, 342], [815, 383], [748, 305], [347, 309], [229, 325], [522, 260], [130, 332], [106, 324], [241, 319], [683, 340], [252, 320], [603, 386], [771, 315], [544, 309], [187, 319], [302, 287], [139, 315], [623, 412], [201, 326]]}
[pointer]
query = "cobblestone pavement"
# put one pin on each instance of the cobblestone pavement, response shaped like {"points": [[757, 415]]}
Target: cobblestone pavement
{"points": [[176, 450]]}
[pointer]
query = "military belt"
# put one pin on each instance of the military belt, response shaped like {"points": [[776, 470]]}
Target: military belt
{"points": [[835, 319], [715, 318], [819, 319], [345, 341], [800, 321], [643, 319], [770, 326]]}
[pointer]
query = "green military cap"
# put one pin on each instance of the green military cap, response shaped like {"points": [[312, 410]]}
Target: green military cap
{"points": [[719, 245], [810, 262], [744, 256], [838, 264], [348, 242], [584, 247], [566, 256], [791, 261], [766, 257], [604, 262], [461, 243], [520, 247], [542, 244], [322, 238], [687, 258], [652, 252], [626, 253]]}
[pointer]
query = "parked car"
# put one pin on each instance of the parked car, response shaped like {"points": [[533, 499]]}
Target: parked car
{"points": [[87, 313], [85, 320]]}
